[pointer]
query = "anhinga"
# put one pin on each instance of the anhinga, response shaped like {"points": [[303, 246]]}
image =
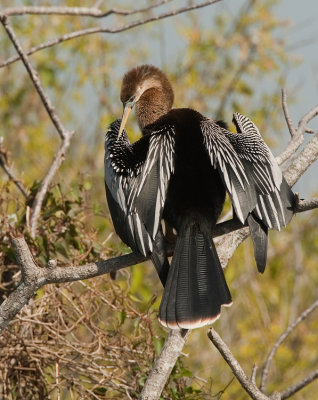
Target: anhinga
{"points": [[179, 171]]}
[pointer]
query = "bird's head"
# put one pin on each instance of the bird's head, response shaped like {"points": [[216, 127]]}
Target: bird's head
{"points": [[147, 88]]}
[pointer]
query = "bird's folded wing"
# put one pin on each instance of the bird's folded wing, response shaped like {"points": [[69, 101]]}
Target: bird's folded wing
{"points": [[137, 178], [250, 172]]}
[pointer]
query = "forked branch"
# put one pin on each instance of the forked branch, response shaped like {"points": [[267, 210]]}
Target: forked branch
{"points": [[297, 135], [34, 277], [248, 384], [62, 131]]}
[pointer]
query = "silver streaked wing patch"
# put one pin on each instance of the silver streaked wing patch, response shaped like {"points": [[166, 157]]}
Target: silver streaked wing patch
{"points": [[129, 181]]}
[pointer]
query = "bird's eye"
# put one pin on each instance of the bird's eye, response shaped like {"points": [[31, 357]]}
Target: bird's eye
{"points": [[131, 101]]}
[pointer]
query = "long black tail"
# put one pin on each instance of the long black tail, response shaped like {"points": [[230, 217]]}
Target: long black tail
{"points": [[196, 286]]}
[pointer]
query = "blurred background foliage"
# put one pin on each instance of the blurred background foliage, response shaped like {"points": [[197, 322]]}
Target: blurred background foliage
{"points": [[98, 338]]}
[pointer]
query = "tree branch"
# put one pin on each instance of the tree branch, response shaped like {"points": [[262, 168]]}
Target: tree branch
{"points": [[64, 133], [303, 161], [34, 277], [164, 364], [305, 205], [122, 28], [297, 137], [4, 165], [288, 119], [229, 89], [35, 78], [280, 340], [77, 11], [238, 371], [299, 385], [45, 183]]}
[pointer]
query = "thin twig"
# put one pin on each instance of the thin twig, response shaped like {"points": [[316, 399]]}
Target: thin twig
{"points": [[253, 376], [297, 137], [238, 371], [122, 28], [299, 385], [45, 183], [288, 119], [7, 170], [280, 340], [302, 125], [34, 77], [297, 141], [229, 89], [77, 11]]}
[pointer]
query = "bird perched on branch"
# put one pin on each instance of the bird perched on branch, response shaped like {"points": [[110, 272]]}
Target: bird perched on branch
{"points": [[180, 171]]}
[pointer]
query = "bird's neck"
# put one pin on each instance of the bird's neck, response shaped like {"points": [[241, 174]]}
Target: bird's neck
{"points": [[151, 106]]}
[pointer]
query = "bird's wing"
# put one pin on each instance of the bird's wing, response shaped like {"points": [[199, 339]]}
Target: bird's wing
{"points": [[250, 172], [137, 178]]}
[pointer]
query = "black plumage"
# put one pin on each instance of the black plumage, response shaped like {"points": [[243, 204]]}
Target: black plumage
{"points": [[179, 171]]}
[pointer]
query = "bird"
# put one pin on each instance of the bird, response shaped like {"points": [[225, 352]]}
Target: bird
{"points": [[178, 173]]}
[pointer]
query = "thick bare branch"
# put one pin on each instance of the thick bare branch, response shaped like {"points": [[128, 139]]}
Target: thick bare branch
{"points": [[24, 293], [164, 364], [122, 28], [77, 11], [227, 245], [303, 161], [280, 340], [305, 205], [34, 277], [238, 371]]}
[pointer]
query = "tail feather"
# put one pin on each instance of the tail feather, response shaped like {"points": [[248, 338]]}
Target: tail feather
{"points": [[259, 232], [196, 286]]}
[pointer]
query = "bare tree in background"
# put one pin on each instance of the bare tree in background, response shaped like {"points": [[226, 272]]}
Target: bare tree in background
{"points": [[231, 233]]}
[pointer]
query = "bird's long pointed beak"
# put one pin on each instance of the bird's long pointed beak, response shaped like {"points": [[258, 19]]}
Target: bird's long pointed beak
{"points": [[124, 119]]}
